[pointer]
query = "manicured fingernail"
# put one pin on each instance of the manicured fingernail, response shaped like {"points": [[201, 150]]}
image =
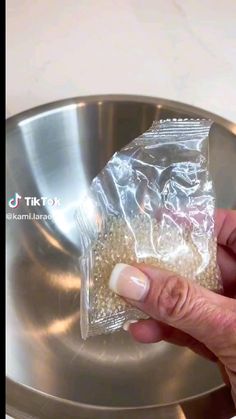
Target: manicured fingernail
{"points": [[127, 324], [129, 282]]}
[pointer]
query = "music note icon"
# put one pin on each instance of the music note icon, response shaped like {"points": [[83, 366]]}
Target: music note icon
{"points": [[14, 201]]}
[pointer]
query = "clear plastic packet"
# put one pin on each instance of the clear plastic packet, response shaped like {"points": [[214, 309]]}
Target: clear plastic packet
{"points": [[153, 202]]}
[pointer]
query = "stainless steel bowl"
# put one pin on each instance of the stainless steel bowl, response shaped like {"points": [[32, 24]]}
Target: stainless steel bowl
{"points": [[54, 151]]}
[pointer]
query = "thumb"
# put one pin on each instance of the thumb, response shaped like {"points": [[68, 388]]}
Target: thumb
{"points": [[181, 303]]}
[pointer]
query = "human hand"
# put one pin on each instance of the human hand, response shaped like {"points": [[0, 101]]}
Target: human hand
{"points": [[184, 313]]}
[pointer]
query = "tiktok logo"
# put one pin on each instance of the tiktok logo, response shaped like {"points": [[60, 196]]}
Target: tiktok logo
{"points": [[33, 201], [14, 201]]}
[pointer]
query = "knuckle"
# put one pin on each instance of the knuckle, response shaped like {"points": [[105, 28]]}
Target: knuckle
{"points": [[225, 339], [174, 299]]}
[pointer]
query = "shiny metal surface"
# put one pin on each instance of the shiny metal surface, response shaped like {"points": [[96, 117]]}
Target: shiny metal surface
{"points": [[55, 151]]}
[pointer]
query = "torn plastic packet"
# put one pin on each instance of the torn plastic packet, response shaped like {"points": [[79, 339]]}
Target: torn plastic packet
{"points": [[153, 202]]}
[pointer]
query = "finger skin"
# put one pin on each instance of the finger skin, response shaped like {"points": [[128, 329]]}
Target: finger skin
{"points": [[183, 305], [214, 298], [151, 331], [226, 228], [227, 263]]}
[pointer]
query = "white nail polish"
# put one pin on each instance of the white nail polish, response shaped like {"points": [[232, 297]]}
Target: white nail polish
{"points": [[129, 282], [115, 276], [128, 323]]}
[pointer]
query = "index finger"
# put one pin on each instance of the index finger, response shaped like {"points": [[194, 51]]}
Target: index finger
{"points": [[226, 228]]}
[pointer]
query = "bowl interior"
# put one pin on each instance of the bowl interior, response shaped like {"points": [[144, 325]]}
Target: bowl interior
{"points": [[54, 152]]}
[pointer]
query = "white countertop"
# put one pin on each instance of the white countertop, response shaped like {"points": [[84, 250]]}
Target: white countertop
{"points": [[183, 50]]}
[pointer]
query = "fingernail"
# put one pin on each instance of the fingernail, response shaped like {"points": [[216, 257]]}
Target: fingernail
{"points": [[129, 282], [127, 324]]}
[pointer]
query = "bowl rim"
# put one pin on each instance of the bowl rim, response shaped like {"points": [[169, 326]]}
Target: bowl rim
{"points": [[151, 100], [12, 384]]}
